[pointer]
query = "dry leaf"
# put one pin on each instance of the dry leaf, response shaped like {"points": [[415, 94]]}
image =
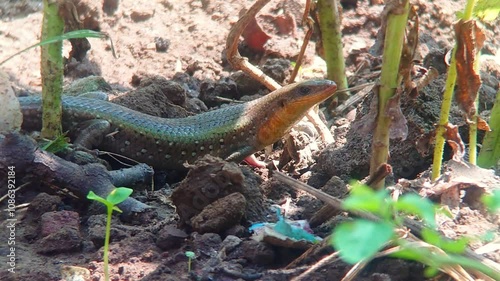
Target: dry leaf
{"points": [[408, 51], [366, 125], [254, 36], [399, 129], [455, 141], [470, 39], [482, 124], [284, 23]]}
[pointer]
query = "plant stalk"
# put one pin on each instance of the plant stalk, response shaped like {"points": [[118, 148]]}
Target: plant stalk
{"points": [[445, 107], [389, 82], [330, 23], [490, 152], [106, 242], [444, 117], [51, 70]]}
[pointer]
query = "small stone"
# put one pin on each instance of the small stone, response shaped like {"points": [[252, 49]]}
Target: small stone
{"points": [[257, 252], [162, 44], [221, 214], [43, 203], [170, 237], [53, 222], [207, 242], [67, 239], [141, 15]]}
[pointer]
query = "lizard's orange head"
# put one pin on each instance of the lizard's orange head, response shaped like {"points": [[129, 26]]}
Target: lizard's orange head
{"points": [[292, 103]]}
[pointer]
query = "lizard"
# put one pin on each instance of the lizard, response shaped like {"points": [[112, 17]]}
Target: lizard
{"points": [[232, 133]]}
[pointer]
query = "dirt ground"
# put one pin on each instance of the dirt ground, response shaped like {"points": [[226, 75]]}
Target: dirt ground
{"points": [[171, 63]]}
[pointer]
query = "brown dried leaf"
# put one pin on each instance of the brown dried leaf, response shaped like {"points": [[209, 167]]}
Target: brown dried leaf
{"points": [[395, 7], [366, 124], [470, 39], [409, 49], [460, 176], [399, 129], [482, 124], [455, 141], [424, 142], [285, 23], [254, 36], [428, 77]]}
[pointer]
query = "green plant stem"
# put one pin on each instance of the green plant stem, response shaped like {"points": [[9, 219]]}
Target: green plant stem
{"points": [[51, 71], [106, 242], [445, 107], [389, 82], [490, 152], [469, 8], [444, 117], [332, 42], [473, 136], [473, 125]]}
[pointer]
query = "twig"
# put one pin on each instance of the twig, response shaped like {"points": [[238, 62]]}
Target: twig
{"points": [[240, 63], [330, 258]]}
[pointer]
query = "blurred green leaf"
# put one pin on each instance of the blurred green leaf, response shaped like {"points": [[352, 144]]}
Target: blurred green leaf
{"points": [[414, 204], [364, 198], [57, 145], [431, 271], [492, 201], [83, 33], [450, 246], [487, 10], [361, 239]]}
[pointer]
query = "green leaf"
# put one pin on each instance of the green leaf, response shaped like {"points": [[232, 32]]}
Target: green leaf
{"points": [[450, 246], [431, 271], [190, 254], [115, 208], [119, 195], [366, 199], [492, 201], [361, 239], [83, 33], [56, 145], [407, 254], [487, 10], [95, 197], [414, 204]]}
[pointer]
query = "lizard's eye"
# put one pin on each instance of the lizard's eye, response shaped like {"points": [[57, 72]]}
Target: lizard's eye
{"points": [[304, 90]]}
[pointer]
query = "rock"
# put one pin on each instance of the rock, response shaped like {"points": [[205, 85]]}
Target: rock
{"points": [[257, 252], [87, 84], [67, 239], [230, 243], [170, 237], [208, 242], [210, 91], [139, 15], [53, 222], [110, 6], [10, 114], [161, 44], [221, 214], [210, 179], [42, 204]]}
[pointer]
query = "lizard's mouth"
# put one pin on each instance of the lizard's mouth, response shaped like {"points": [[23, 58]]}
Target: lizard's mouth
{"points": [[290, 112]]}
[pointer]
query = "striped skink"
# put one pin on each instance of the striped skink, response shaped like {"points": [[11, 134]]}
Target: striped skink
{"points": [[232, 133]]}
